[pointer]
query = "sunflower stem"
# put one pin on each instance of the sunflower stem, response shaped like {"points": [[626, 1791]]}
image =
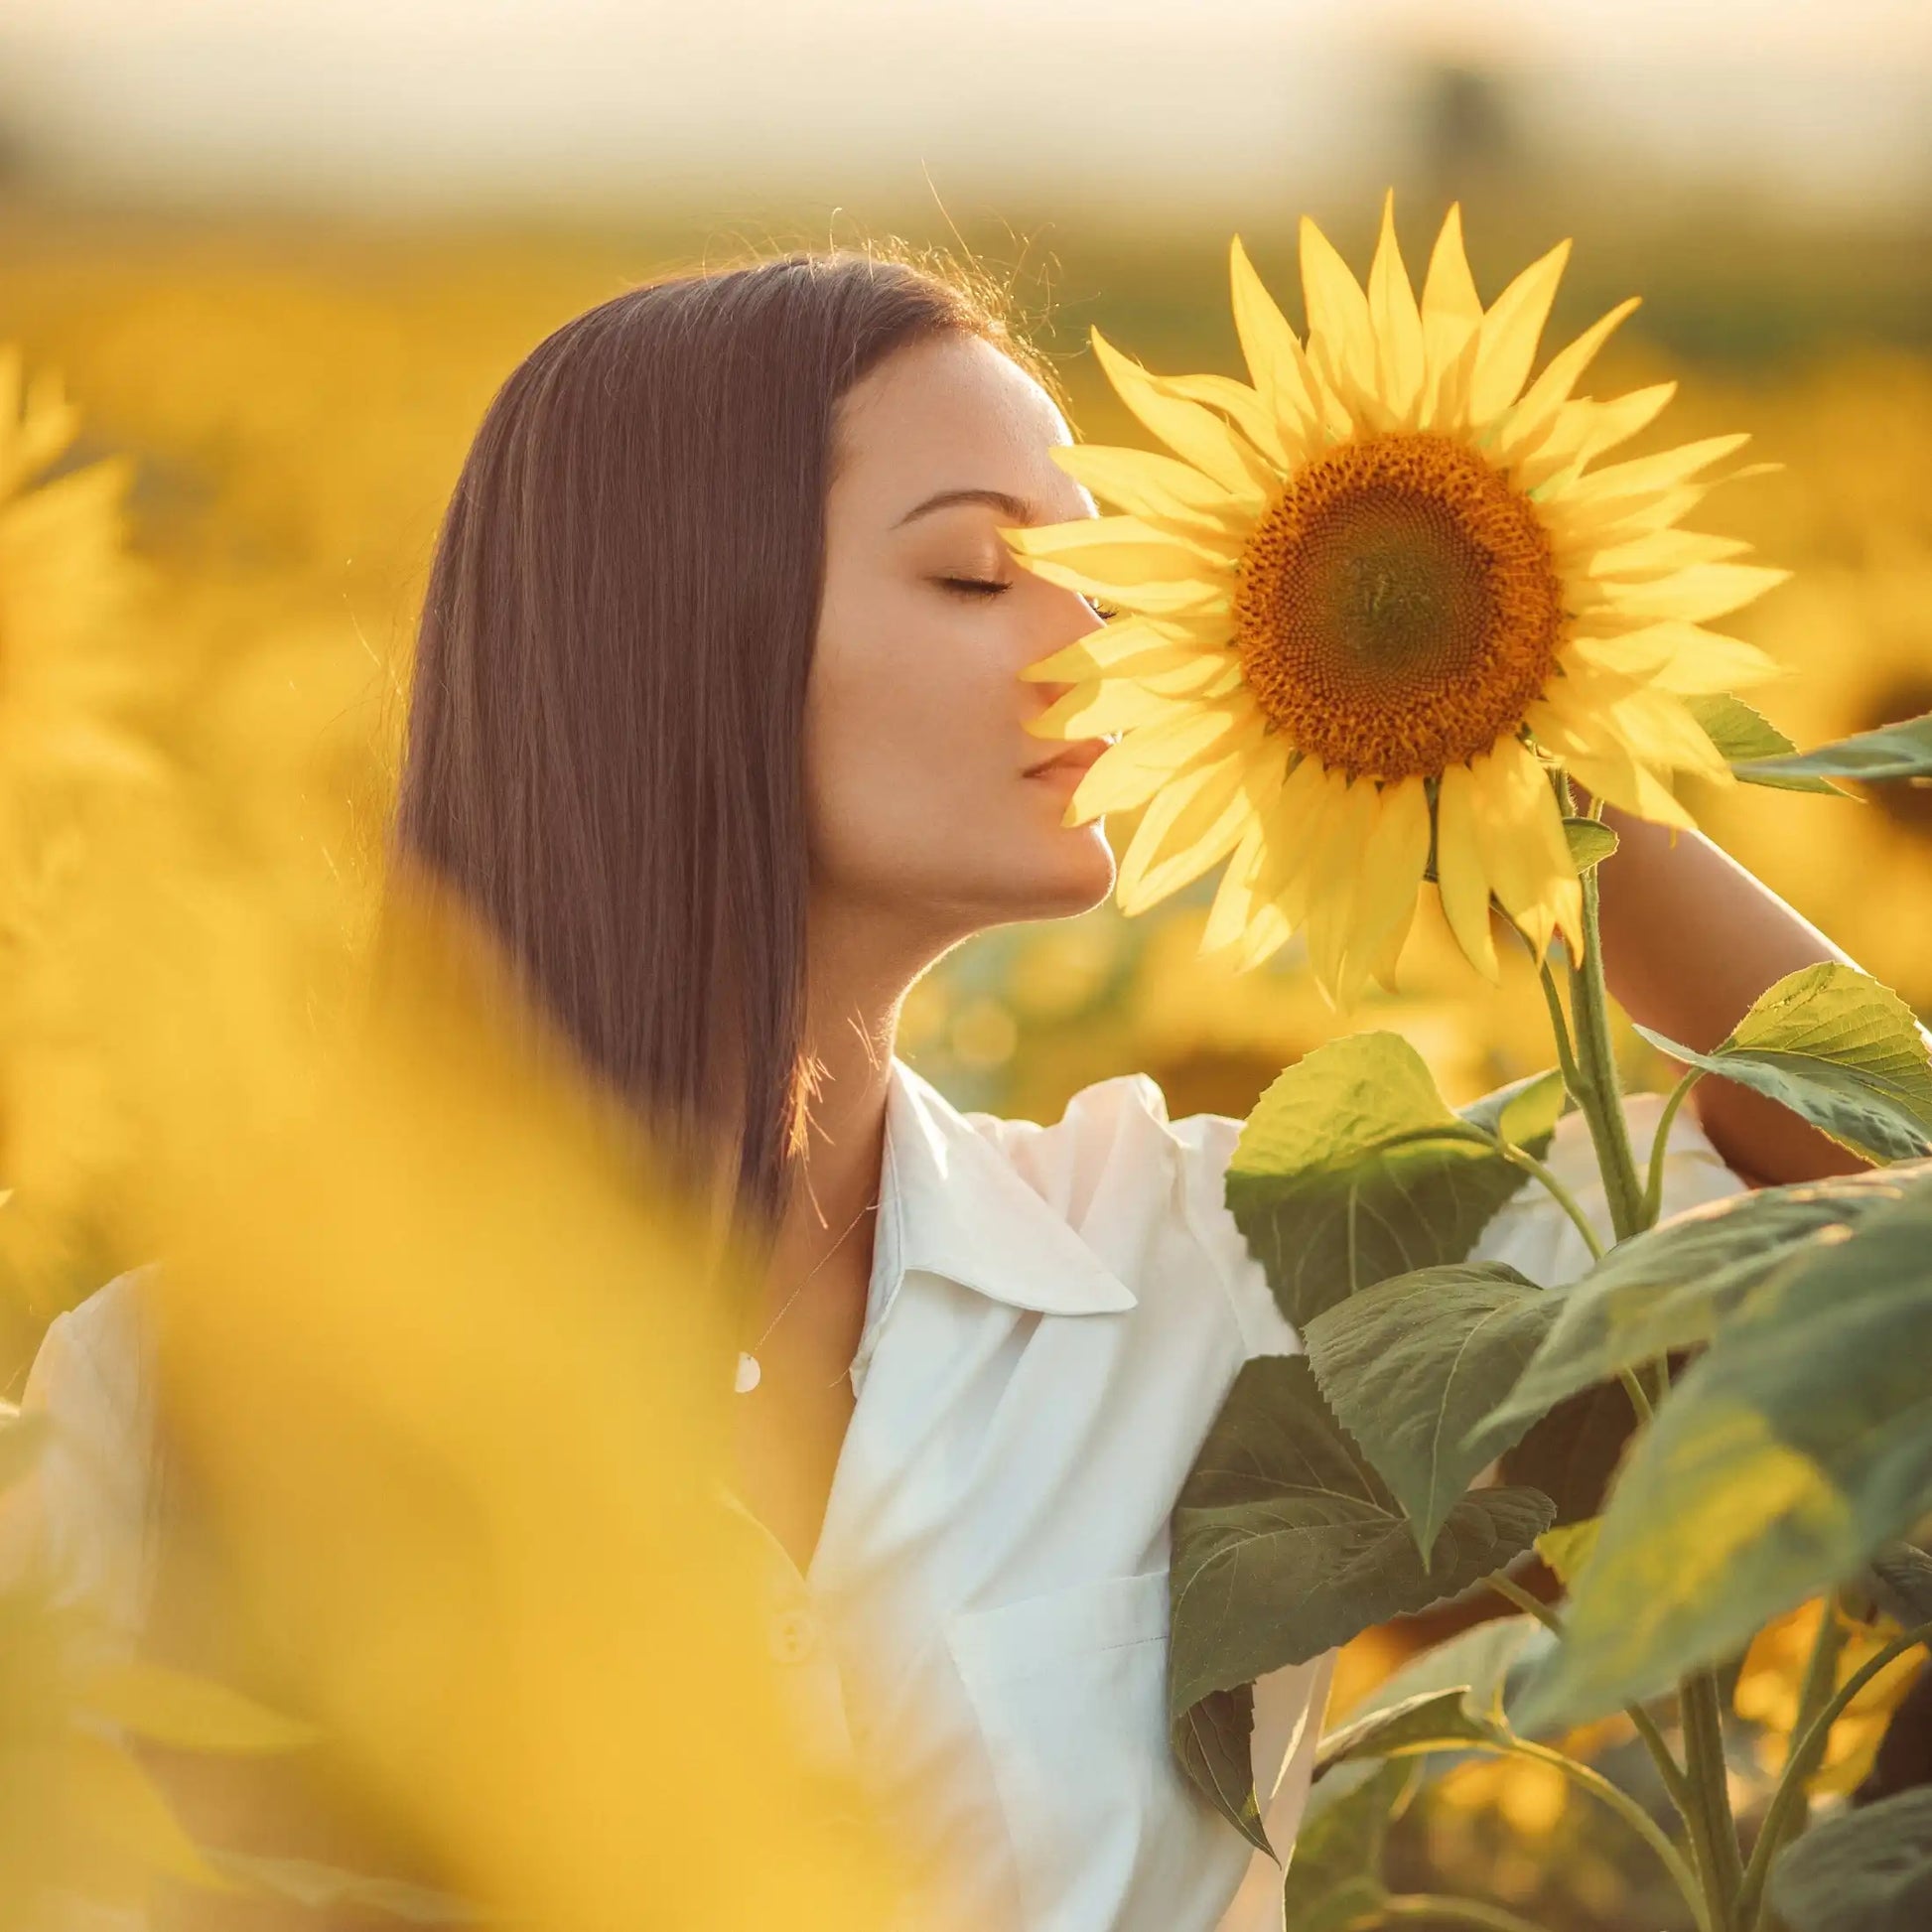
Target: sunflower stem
{"points": [[1599, 1096], [1559, 1028], [1653, 1192]]}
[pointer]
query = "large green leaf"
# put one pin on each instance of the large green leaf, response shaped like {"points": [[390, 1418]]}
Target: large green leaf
{"points": [[1751, 742], [1328, 1200], [1411, 1365], [1864, 1871], [1900, 1579], [1838, 1049], [1671, 1287], [1792, 1450], [1884, 756], [1335, 1873], [1287, 1543]]}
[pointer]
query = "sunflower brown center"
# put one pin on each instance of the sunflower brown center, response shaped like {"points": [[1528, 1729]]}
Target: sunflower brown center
{"points": [[1397, 608]]}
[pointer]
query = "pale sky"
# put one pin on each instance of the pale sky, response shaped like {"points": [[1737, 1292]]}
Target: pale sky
{"points": [[1824, 103]]}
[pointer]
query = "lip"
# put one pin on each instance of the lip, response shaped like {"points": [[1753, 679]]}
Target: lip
{"points": [[1073, 757]]}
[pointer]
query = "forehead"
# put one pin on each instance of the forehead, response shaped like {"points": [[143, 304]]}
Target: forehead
{"points": [[952, 413]]}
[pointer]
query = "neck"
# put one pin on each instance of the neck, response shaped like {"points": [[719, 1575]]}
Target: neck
{"points": [[857, 976]]}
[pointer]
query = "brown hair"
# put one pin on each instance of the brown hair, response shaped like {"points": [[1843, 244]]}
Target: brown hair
{"points": [[604, 751]]}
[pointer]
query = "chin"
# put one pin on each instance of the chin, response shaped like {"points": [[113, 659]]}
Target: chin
{"points": [[1075, 875]]}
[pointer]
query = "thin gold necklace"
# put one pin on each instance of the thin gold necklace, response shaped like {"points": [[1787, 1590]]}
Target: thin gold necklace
{"points": [[749, 1371]]}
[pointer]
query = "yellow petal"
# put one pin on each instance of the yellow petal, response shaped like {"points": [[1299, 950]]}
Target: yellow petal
{"points": [[1341, 341], [1451, 324], [1125, 647], [1524, 851], [1681, 658], [1112, 545], [1647, 476], [1393, 858], [1197, 597], [1248, 412], [1161, 489], [1272, 349], [1602, 761], [1461, 878], [1580, 530], [1696, 594], [1534, 416], [1333, 880], [1130, 773], [1662, 551], [1254, 876], [1389, 954], [1196, 821], [1197, 435], [1400, 364], [1585, 428], [1510, 333], [1121, 704]]}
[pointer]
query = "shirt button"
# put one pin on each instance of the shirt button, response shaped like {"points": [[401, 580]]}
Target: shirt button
{"points": [[795, 1636]]}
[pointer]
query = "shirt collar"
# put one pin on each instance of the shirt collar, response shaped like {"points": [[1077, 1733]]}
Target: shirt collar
{"points": [[956, 1207]]}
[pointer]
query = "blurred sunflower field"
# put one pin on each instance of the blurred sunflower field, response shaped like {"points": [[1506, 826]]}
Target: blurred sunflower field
{"points": [[224, 449]]}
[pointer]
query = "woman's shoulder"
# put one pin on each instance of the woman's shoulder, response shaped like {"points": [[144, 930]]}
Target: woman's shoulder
{"points": [[1116, 1142]]}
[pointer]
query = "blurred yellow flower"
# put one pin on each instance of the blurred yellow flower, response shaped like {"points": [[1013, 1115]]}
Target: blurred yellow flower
{"points": [[1368, 596]]}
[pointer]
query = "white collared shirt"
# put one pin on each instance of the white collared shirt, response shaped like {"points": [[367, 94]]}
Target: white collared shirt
{"points": [[1053, 1318]]}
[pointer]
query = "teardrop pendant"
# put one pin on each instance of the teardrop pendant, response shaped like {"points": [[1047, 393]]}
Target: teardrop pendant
{"points": [[748, 1374]]}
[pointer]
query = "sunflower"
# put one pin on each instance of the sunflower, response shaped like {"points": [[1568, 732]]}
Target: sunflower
{"points": [[1371, 599]]}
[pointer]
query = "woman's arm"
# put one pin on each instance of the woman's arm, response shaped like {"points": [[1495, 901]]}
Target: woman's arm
{"points": [[1689, 939]]}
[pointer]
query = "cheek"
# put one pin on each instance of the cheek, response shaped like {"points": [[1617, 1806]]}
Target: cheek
{"points": [[913, 728]]}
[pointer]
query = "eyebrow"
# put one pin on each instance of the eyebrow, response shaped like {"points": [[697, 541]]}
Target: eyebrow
{"points": [[1015, 507]]}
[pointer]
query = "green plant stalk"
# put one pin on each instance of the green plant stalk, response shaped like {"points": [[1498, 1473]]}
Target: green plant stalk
{"points": [[1798, 1767], [1714, 1828], [1653, 1192], [1821, 1676], [1713, 1832], [1654, 1742], [1626, 1808], [1446, 1910]]}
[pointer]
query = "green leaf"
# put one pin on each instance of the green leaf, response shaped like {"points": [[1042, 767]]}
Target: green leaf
{"points": [[1866, 1870], [1749, 741], [1591, 841], [1411, 1365], [1672, 1286], [1214, 1742], [1431, 1721], [1882, 757], [1838, 1049], [1524, 1113], [1900, 1578], [1571, 1453], [1334, 1875], [1286, 1542], [1330, 1205], [1792, 1450]]}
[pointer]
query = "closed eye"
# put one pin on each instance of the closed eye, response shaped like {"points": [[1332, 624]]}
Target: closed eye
{"points": [[975, 586]]}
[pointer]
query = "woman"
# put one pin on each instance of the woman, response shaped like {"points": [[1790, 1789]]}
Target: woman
{"points": [[716, 721]]}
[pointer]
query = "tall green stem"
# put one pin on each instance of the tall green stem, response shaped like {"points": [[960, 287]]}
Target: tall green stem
{"points": [[1806, 1751], [1715, 1831], [1653, 1191]]}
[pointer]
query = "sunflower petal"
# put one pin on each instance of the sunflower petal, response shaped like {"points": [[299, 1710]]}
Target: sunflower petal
{"points": [[1462, 877], [1451, 325], [1196, 821], [1245, 407], [1696, 594], [1199, 597], [1196, 434], [1681, 658], [1510, 333], [1161, 489], [1341, 341], [1121, 704], [1401, 367], [1534, 416], [1662, 552], [1125, 647], [1124, 543], [1272, 350], [1647, 476], [1388, 955], [1335, 879], [1130, 773], [1256, 876], [1584, 428], [1524, 850], [1393, 857]]}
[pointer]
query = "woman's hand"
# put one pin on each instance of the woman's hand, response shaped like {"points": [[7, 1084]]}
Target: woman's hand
{"points": [[1689, 939]]}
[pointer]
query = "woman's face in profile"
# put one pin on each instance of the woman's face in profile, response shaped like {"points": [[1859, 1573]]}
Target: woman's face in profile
{"points": [[926, 794]]}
